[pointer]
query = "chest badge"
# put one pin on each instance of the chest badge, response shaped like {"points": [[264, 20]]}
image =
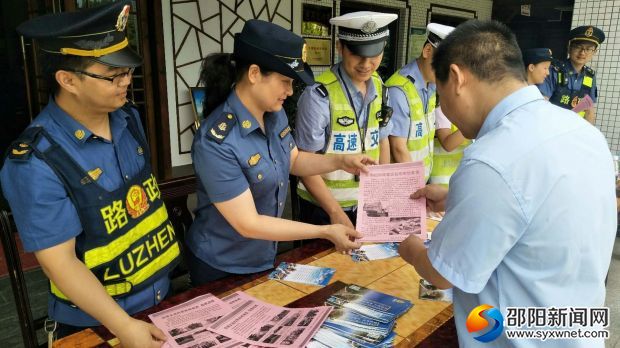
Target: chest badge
{"points": [[345, 121], [285, 131], [253, 160], [136, 201]]}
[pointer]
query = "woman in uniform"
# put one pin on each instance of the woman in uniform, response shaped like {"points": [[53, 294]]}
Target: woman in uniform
{"points": [[243, 154]]}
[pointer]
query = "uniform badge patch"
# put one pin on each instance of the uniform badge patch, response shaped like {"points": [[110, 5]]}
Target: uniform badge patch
{"points": [[253, 160], [136, 201], [345, 121], [121, 20], [140, 150], [20, 150], [284, 132], [589, 32], [246, 124], [224, 124], [79, 134], [95, 173]]}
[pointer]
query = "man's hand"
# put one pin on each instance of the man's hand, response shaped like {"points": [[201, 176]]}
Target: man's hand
{"points": [[355, 164], [436, 196], [139, 334], [343, 237]]}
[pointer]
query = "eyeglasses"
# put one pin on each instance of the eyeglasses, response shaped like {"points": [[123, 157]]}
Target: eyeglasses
{"points": [[581, 48], [114, 79]]}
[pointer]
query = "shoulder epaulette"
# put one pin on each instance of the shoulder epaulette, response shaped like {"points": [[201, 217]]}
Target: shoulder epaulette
{"points": [[322, 91], [589, 71], [23, 146], [222, 127], [411, 78]]}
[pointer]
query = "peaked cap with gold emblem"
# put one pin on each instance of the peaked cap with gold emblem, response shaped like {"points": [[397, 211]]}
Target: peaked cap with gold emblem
{"points": [[587, 33], [97, 32]]}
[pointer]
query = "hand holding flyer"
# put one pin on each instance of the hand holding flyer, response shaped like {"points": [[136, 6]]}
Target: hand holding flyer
{"points": [[584, 104], [386, 213]]}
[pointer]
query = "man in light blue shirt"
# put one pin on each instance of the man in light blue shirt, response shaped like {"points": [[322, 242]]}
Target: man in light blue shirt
{"points": [[530, 216]]}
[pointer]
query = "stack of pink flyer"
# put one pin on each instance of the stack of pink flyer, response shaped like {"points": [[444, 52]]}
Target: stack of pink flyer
{"points": [[385, 212], [238, 320]]}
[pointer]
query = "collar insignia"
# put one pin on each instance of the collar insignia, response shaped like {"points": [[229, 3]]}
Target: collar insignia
{"points": [[95, 173], [79, 134]]}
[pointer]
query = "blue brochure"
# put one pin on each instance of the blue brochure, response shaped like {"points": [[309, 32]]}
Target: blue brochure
{"points": [[305, 274]]}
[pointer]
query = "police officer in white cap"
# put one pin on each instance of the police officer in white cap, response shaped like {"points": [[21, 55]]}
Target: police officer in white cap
{"points": [[344, 113], [413, 98]]}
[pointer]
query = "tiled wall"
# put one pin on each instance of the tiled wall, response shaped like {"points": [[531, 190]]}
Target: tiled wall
{"points": [[605, 15]]}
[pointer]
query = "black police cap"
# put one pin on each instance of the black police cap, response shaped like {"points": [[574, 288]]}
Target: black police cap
{"points": [[273, 48], [536, 55], [97, 33], [587, 33]]}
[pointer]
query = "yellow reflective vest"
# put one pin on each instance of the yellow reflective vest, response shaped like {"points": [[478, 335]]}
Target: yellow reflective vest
{"points": [[445, 163], [345, 138], [421, 126]]}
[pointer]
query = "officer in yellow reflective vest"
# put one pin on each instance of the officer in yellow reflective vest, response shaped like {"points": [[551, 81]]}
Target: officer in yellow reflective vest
{"points": [[413, 99], [570, 80], [448, 149], [345, 113], [80, 185]]}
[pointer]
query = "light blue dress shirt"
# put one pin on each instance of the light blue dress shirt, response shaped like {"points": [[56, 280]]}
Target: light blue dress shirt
{"points": [[247, 158], [312, 123], [531, 216], [44, 213], [401, 119], [575, 79]]}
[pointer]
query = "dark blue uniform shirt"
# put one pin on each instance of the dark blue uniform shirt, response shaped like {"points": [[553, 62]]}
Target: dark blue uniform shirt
{"points": [[246, 158]]}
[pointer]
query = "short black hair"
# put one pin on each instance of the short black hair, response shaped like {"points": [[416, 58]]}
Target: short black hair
{"points": [[51, 63], [487, 48]]}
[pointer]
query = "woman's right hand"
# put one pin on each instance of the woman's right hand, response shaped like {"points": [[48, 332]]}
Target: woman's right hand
{"points": [[343, 237]]}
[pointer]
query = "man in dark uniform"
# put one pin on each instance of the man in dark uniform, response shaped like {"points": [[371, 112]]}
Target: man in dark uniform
{"points": [[569, 81], [80, 185]]}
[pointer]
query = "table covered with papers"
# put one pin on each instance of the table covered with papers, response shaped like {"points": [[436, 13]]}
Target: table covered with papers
{"points": [[421, 322]]}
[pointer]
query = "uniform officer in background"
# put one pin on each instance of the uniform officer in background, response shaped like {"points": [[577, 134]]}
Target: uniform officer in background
{"points": [[413, 99], [80, 185], [345, 112], [537, 62], [571, 80]]}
